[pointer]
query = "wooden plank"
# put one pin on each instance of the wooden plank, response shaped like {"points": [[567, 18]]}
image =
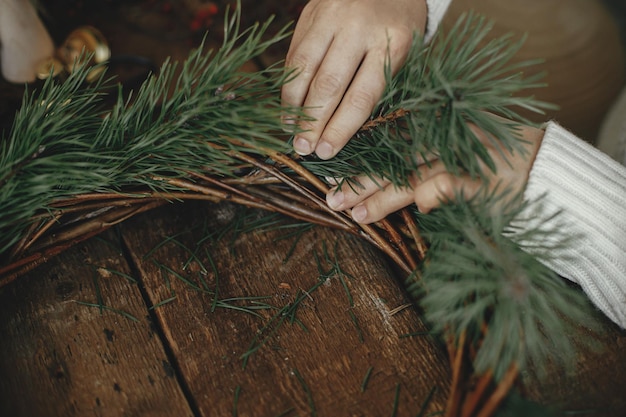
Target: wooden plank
{"points": [[330, 358], [593, 385], [316, 368], [62, 358], [42, 329]]}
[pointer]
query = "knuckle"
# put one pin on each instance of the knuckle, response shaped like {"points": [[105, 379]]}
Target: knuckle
{"points": [[362, 100], [375, 209], [298, 62], [327, 84], [445, 185], [403, 38], [287, 95], [330, 8], [336, 135], [398, 43], [309, 9], [309, 127], [425, 203], [353, 26]]}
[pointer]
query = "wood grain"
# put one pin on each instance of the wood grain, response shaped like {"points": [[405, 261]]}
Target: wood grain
{"points": [[62, 358], [183, 355], [316, 368]]}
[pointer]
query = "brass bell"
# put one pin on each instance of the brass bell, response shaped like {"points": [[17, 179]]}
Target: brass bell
{"points": [[83, 46]]}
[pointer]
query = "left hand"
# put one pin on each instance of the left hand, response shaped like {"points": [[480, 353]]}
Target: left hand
{"points": [[339, 49], [433, 184]]}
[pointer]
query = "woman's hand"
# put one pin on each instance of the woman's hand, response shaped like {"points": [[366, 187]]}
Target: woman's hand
{"points": [[434, 184], [338, 51]]}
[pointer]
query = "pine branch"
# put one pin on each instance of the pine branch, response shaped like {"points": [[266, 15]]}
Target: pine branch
{"points": [[64, 142], [74, 165], [426, 108], [479, 281]]}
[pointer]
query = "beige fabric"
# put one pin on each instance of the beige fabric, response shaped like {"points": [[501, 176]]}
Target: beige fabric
{"points": [[612, 137]]}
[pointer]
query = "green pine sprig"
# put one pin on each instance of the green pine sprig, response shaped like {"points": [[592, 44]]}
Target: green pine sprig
{"points": [[476, 279], [209, 120], [461, 77], [65, 141], [481, 279]]}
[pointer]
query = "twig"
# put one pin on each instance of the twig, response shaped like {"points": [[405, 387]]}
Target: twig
{"points": [[98, 197], [388, 249], [300, 170], [396, 238], [61, 242], [12, 271], [270, 203], [277, 204], [501, 391], [475, 396], [377, 239], [409, 221], [99, 224], [387, 118], [292, 209], [457, 361], [32, 235]]}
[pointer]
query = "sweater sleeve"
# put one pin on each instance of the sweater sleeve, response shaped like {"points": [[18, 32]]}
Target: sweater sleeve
{"points": [[588, 188], [436, 11]]}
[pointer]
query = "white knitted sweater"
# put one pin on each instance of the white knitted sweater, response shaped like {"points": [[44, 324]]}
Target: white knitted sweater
{"points": [[588, 188]]}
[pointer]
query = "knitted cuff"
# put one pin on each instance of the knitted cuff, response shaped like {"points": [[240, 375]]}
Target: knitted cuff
{"points": [[588, 188], [436, 10]]}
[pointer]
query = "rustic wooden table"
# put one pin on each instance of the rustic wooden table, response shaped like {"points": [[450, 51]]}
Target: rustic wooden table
{"points": [[176, 312]]}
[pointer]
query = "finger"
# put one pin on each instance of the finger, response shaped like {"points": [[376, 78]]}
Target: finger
{"points": [[357, 190], [304, 58], [352, 193], [425, 191], [443, 187], [355, 107], [326, 90], [382, 203]]}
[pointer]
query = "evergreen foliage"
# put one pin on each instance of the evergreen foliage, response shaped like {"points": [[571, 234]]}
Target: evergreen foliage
{"points": [[477, 278]]}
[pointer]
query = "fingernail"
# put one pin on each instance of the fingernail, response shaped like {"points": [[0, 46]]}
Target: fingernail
{"points": [[334, 199], [359, 213], [324, 150], [302, 146], [331, 180]]}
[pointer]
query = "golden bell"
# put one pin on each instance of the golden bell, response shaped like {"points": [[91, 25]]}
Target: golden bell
{"points": [[85, 42]]}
